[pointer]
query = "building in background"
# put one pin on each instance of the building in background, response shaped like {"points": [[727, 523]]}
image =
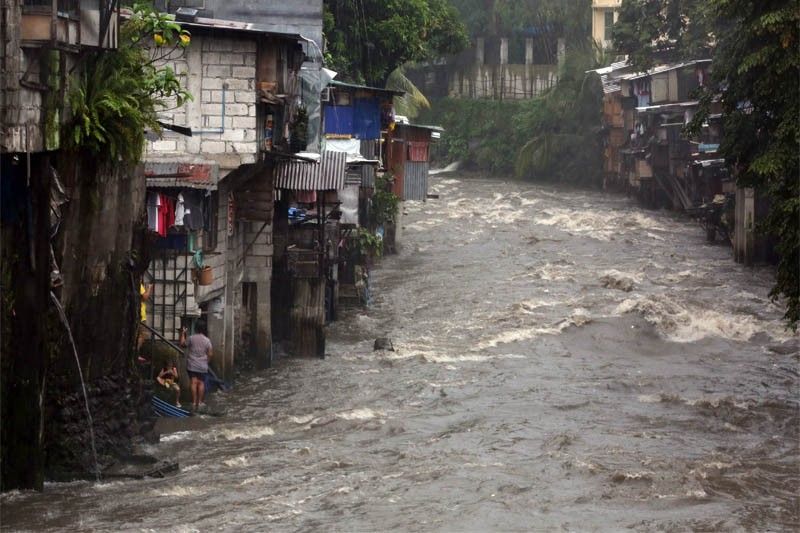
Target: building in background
{"points": [[604, 15]]}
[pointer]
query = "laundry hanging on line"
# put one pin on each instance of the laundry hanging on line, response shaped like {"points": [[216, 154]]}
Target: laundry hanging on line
{"points": [[160, 212]]}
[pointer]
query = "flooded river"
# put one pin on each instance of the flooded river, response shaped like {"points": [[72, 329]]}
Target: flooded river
{"points": [[564, 361]]}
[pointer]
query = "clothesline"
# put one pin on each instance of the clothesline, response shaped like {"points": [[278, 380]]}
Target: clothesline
{"points": [[165, 211]]}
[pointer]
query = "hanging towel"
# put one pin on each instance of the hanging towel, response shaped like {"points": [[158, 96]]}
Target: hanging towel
{"points": [[180, 210]]}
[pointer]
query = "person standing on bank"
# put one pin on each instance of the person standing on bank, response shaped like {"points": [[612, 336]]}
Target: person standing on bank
{"points": [[198, 354]]}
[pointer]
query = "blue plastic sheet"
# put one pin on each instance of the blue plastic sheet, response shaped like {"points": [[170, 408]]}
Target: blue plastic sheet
{"points": [[361, 120]]}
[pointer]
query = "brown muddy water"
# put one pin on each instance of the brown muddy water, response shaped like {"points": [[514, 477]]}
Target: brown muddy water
{"points": [[565, 361]]}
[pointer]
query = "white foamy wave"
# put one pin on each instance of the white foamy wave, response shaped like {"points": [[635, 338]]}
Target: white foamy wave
{"points": [[584, 222], [470, 358], [304, 419], [177, 436], [244, 433], [642, 221], [283, 516], [597, 225], [107, 485], [363, 413], [650, 398], [547, 272], [16, 494], [682, 322], [252, 480], [236, 461], [177, 492], [579, 317]]}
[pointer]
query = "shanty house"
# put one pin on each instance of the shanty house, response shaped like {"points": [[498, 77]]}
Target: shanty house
{"points": [[355, 118], [218, 152], [408, 159]]}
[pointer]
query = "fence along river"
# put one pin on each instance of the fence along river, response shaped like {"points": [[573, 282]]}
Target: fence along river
{"points": [[564, 360]]}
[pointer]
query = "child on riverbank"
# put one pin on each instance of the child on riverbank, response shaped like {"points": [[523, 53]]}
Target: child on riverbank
{"points": [[168, 378]]}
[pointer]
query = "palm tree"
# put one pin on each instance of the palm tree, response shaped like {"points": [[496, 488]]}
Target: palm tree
{"points": [[413, 101]]}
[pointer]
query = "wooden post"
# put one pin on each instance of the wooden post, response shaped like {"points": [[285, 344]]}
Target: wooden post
{"points": [[307, 317]]}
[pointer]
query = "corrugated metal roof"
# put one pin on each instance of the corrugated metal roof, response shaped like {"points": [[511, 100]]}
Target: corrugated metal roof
{"points": [[663, 68], [610, 68], [231, 25], [610, 76], [220, 24], [327, 175]]}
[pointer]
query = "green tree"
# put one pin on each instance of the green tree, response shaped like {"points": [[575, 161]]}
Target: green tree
{"points": [[563, 127], [368, 39], [756, 74], [667, 30]]}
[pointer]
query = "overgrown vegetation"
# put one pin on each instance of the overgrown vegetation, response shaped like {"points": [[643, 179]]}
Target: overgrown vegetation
{"points": [[552, 138], [564, 127], [117, 94], [368, 39], [385, 203], [369, 244], [481, 134], [756, 73]]}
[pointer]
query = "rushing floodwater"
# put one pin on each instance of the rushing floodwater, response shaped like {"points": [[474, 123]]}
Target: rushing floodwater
{"points": [[565, 361]]}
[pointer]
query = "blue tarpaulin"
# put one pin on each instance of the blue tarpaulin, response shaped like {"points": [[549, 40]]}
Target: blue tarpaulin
{"points": [[362, 120]]}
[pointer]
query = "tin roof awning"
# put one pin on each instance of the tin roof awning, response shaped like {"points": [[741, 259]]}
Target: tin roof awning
{"points": [[345, 85], [326, 175], [438, 129], [705, 163], [181, 183], [242, 27], [189, 175], [663, 108]]}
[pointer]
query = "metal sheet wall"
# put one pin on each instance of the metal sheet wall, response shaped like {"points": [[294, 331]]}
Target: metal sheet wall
{"points": [[415, 184], [368, 171]]}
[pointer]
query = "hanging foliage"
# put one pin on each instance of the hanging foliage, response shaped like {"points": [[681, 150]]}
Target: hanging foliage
{"points": [[118, 93]]}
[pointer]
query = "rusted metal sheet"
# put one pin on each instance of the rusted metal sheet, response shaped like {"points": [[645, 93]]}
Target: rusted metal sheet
{"points": [[415, 184]]}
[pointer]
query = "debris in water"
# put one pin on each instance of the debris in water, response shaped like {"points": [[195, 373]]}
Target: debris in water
{"points": [[383, 343]]}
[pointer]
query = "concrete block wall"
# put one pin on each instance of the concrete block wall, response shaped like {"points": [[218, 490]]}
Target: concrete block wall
{"points": [[20, 108], [258, 261], [216, 68], [216, 259]]}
